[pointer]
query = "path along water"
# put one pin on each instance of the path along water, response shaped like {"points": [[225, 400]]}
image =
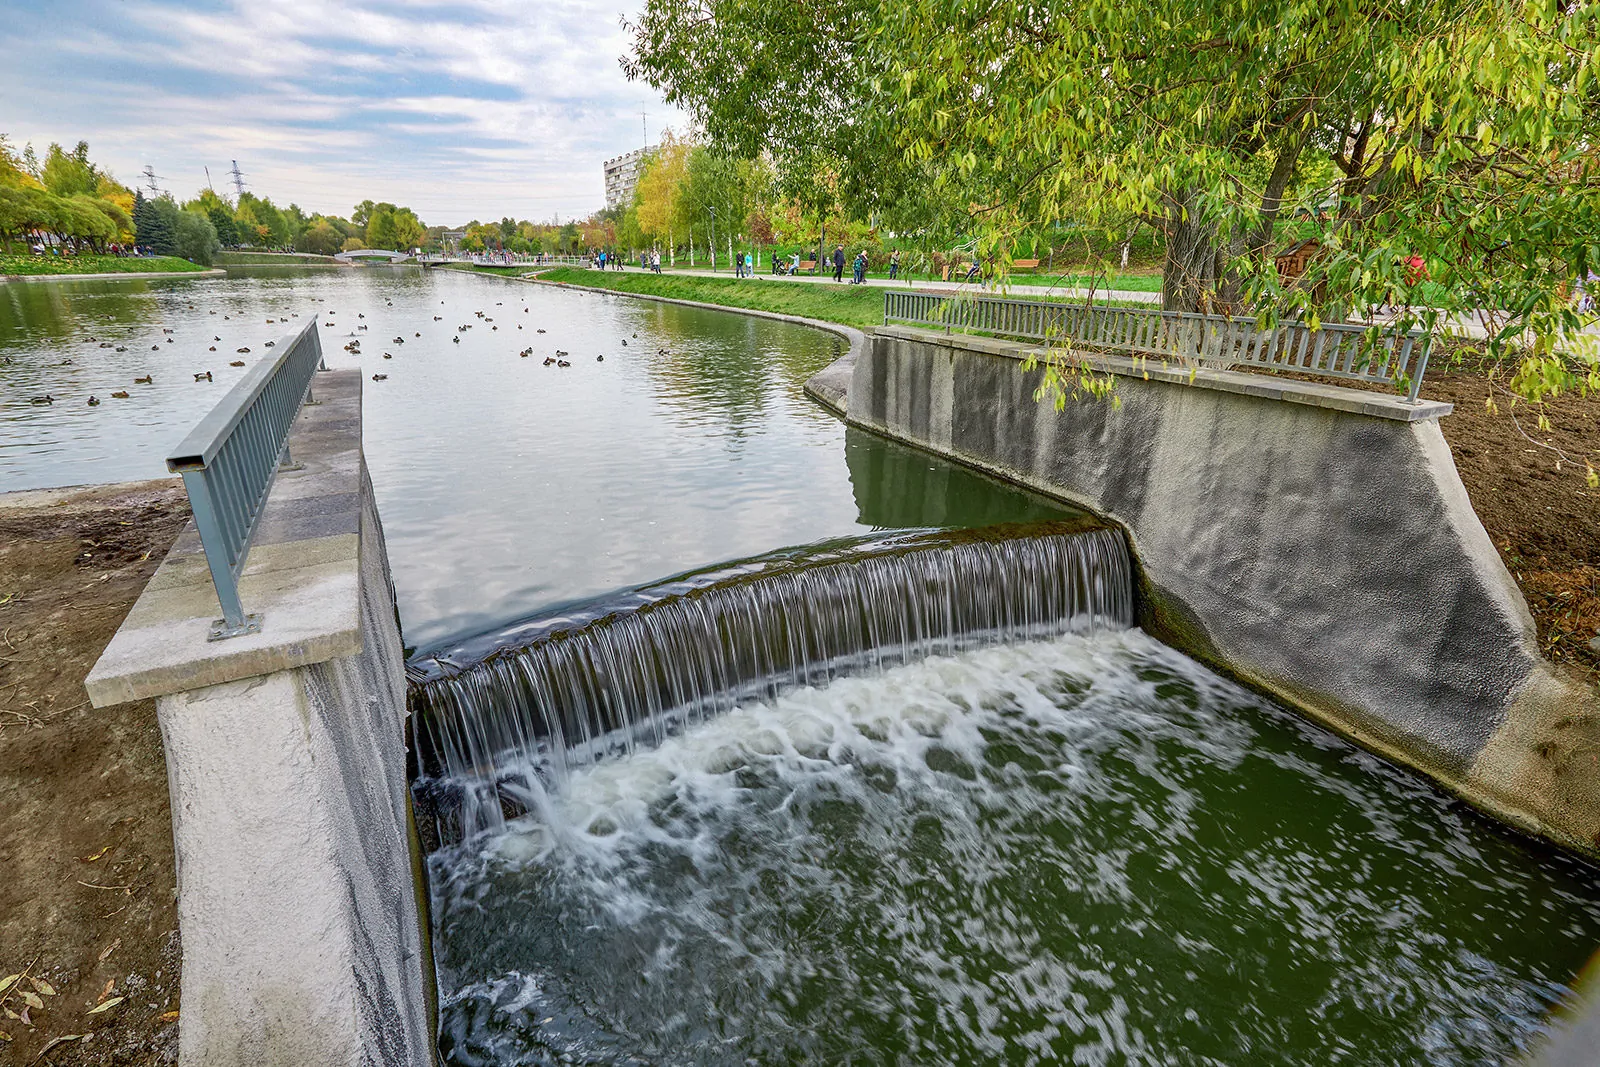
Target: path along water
{"points": [[1084, 848]]}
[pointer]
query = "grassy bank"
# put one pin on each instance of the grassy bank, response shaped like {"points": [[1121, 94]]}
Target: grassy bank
{"points": [[93, 264], [851, 305], [275, 259]]}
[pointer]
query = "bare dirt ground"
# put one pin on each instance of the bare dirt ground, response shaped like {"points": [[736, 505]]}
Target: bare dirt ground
{"points": [[87, 886], [1529, 486]]}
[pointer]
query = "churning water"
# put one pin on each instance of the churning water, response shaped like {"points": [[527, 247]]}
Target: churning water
{"points": [[926, 799]]}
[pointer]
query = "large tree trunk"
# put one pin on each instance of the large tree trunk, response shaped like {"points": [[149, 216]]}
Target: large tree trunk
{"points": [[1188, 277]]}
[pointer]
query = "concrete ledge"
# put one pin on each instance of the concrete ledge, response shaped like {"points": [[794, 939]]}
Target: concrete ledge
{"points": [[1250, 383], [302, 575]]}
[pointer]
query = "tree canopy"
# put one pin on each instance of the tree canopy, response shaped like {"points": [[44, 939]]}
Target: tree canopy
{"points": [[1460, 131]]}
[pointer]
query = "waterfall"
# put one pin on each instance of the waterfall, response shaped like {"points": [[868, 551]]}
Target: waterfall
{"points": [[500, 717]]}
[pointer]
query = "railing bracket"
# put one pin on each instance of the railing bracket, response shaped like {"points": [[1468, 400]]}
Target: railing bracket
{"points": [[221, 631]]}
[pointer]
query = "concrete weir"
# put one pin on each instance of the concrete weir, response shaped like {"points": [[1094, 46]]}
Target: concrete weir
{"points": [[298, 888], [1313, 541]]}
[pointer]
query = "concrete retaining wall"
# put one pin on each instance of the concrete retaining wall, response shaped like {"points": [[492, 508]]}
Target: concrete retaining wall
{"points": [[299, 908], [1313, 541]]}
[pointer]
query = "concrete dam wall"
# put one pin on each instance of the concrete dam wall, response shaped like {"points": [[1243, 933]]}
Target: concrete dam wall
{"points": [[1313, 541]]}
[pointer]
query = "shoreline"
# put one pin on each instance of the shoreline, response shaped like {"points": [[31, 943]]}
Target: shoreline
{"points": [[205, 272]]}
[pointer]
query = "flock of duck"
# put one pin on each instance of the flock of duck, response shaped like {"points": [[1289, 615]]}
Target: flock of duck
{"points": [[561, 358]]}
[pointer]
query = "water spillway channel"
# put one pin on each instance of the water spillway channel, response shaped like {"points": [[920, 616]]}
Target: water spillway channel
{"points": [[744, 737], [563, 691]]}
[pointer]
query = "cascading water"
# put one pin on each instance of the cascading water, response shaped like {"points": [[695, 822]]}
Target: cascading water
{"points": [[501, 717]]}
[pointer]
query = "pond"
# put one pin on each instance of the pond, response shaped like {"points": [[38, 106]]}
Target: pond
{"points": [[1057, 845]]}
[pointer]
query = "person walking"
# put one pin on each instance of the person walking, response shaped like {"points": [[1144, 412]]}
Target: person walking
{"points": [[838, 263], [894, 264], [859, 268]]}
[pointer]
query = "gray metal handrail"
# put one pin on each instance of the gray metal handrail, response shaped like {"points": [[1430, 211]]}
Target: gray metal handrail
{"points": [[1338, 350], [230, 459]]}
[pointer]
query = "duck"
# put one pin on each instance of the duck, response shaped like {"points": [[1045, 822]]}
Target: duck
{"points": [[519, 325], [419, 333], [165, 330], [560, 352], [46, 399], [549, 360], [599, 359], [436, 318], [562, 363], [538, 331], [155, 348], [244, 349], [270, 344], [215, 337], [203, 376], [624, 342], [106, 344], [399, 340], [380, 377], [363, 326], [497, 303], [237, 363], [94, 401], [271, 321], [456, 339], [121, 348], [359, 315], [213, 348], [148, 379], [65, 363], [388, 355], [120, 394], [213, 312], [494, 327]]}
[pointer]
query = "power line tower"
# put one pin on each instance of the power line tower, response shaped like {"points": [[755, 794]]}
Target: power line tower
{"points": [[238, 179], [150, 179]]}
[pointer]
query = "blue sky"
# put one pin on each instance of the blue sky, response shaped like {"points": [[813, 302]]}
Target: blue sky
{"points": [[463, 109]]}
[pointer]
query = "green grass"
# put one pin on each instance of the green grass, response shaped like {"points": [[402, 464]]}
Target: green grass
{"points": [[504, 272], [93, 264], [1137, 283], [848, 304]]}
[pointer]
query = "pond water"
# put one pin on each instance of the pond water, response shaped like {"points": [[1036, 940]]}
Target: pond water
{"points": [[1085, 848], [506, 486]]}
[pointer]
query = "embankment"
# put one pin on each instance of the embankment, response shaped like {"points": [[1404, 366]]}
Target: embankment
{"points": [[1313, 541]]}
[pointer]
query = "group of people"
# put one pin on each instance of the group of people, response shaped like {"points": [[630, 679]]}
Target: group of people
{"points": [[744, 265]]}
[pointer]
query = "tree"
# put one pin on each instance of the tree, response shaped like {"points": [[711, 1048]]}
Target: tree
{"points": [[222, 222], [152, 225], [69, 174], [321, 238], [194, 238], [1462, 130]]}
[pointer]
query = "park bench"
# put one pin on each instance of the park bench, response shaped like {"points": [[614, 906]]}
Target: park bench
{"points": [[808, 264], [1024, 264]]}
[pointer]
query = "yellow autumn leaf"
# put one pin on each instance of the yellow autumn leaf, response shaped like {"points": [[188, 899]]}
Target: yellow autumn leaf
{"points": [[169, 1016], [106, 1006], [31, 999], [42, 986], [8, 981]]}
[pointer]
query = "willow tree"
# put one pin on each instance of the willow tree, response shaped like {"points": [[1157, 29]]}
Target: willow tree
{"points": [[1463, 131]]}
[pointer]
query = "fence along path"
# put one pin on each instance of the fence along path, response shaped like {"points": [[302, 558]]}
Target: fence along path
{"points": [[1337, 350]]}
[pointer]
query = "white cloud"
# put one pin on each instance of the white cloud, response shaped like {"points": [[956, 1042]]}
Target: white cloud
{"points": [[477, 108]]}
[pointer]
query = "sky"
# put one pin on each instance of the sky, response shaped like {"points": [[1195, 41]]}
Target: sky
{"points": [[460, 109]]}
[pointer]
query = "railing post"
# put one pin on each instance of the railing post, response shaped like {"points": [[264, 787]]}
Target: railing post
{"points": [[234, 621]]}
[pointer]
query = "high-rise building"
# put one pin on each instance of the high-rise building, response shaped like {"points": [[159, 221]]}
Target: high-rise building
{"points": [[622, 176]]}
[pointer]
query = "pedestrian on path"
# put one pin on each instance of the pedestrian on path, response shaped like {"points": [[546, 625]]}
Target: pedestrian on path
{"points": [[838, 263], [894, 264]]}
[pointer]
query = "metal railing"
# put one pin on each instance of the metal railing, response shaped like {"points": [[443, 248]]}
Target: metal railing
{"points": [[229, 460], [1338, 350]]}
